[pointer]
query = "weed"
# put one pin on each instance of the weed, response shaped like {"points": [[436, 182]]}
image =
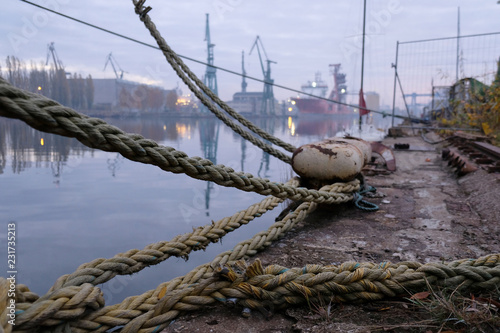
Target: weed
{"points": [[453, 312]]}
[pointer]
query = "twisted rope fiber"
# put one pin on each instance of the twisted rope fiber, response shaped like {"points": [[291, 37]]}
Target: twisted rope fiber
{"points": [[182, 69], [60, 305], [133, 261], [176, 61], [135, 310], [4, 301], [49, 116], [277, 287], [102, 270]]}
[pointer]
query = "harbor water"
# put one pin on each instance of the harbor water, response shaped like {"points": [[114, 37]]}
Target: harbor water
{"points": [[72, 204]]}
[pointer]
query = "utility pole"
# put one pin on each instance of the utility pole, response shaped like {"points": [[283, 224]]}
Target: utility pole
{"points": [[361, 96], [458, 43]]}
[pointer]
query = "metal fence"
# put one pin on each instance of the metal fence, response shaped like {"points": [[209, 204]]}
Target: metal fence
{"points": [[426, 69]]}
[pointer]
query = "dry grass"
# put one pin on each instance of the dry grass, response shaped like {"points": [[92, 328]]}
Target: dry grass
{"points": [[454, 312], [432, 311]]}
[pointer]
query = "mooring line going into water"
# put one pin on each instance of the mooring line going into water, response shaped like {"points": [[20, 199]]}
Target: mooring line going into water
{"points": [[49, 116], [180, 68], [61, 301], [188, 77], [102, 270], [76, 304]]}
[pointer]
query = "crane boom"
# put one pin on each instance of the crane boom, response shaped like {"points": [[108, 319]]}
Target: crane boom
{"points": [[110, 59], [51, 50], [268, 95]]}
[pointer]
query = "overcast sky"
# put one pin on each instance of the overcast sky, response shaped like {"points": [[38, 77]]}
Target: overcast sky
{"points": [[302, 37]]}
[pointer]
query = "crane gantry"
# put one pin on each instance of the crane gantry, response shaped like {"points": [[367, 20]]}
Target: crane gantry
{"points": [[268, 95], [51, 50], [210, 79], [110, 59]]}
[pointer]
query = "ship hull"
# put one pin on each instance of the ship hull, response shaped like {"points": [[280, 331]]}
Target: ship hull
{"points": [[319, 106]]}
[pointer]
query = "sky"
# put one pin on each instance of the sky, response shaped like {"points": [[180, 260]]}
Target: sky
{"points": [[302, 37]]}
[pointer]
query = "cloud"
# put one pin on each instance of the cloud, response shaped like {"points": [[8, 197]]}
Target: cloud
{"points": [[302, 37]]}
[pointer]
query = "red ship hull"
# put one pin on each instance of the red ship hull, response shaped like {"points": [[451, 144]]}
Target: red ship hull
{"points": [[319, 106]]}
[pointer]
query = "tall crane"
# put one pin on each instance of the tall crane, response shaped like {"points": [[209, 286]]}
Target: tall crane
{"points": [[51, 50], [210, 79], [110, 59], [268, 95], [243, 72]]}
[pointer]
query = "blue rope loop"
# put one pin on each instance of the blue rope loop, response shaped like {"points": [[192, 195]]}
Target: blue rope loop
{"points": [[363, 204], [358, 198]]}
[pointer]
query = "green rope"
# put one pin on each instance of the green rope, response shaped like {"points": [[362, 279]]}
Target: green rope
{"points": [[363, 204], [358, 196]]}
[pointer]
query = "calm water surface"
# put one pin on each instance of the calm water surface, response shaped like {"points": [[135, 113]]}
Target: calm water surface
{"points": [[73, 204]]}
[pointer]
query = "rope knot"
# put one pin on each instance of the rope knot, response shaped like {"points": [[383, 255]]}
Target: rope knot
{"points": [[141, 10]]}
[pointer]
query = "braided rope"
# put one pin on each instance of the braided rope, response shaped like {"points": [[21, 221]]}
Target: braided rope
{"points": [[63, 304], [102, 270], [181, 69], [49, 116], [276, 287], [135, 309], [4, 301]]}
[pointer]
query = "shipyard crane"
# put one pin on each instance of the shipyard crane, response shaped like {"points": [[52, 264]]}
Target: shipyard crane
{"points": [[210, 79], [268, 95], [51, 50], [110, 59], [339, 88], [243, 72]]}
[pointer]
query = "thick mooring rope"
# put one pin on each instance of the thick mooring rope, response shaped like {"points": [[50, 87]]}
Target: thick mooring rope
{"points": [[49, 116], [40, 311], [4, 310], [154, 309], [181, 69], [276, 287], [76, 304], [102, 270]]}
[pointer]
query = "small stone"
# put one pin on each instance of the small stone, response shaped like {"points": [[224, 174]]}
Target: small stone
{"points": [[390, 216], [386, 202]]}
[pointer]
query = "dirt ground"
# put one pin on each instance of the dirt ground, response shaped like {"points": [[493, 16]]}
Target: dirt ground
{"points": [[426, 214]]}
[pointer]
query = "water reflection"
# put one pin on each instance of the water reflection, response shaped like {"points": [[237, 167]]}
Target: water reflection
{"points": [[209, 139], [28, 148], [114, 164], [113, 204]]}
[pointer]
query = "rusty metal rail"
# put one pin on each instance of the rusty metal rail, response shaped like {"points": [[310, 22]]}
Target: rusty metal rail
{"points": [[468, 156]]}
